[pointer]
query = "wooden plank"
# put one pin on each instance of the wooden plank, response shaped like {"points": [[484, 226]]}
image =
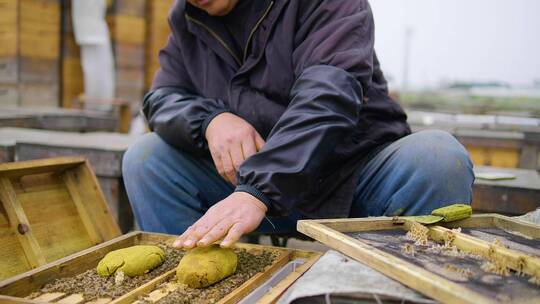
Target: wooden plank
{"points": [[506, 223], [275, 293], [14, 300], [100, 301], [117, 199], [100, 213], [514, 197], [7, 152], [359, 224], [74, 120], [255, 281], [145, 288], [21, 284], [20, 224], [73, 189], [72, 299], [54, 219], [516, 226], [411, 275], [17, 169], [49, 297], [105, 162], [162, 292], [528, 158], [513, 259]]}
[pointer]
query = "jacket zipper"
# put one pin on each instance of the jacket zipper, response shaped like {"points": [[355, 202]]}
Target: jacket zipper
{"points": [[215, 35], [217, 38], [255, 29]]}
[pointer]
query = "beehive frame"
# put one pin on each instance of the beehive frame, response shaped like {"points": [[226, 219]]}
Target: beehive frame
{"points": [[49, 208], [333, 233], [16, 288]]}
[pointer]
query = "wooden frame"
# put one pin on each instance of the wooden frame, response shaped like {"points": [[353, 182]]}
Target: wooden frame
{"points": [[14, 289], [51, 208], [333, 233]]}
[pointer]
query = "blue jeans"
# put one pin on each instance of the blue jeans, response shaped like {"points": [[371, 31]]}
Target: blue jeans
{"points": [[170, 189]]}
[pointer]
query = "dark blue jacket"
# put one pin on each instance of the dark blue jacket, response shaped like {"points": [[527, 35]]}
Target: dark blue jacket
{"points": [[309, 82]]}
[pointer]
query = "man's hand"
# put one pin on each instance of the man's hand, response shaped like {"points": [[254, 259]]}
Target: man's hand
{"points": [[231, 141], [232, 217]]}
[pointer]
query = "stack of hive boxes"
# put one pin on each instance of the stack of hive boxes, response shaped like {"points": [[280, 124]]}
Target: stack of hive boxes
{"points": [[39, 52], [157, 33], [40, 62], [9, 93], [126, 19], [72, 75], [30, 52]]}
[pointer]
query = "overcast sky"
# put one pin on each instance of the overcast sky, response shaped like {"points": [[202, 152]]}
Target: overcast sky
{"points": [[474, 40]]}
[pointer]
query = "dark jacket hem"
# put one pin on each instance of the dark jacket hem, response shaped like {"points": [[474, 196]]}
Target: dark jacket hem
{"points": [[255, 192]]}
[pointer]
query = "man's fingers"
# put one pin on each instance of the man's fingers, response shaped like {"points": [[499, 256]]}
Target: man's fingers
{"points": [[259, 142], [237, 156], [179, 242], [193, 234], [233, 236], [188, 239], [217, 162], [228, 166], [249, 148], [216, 233]]}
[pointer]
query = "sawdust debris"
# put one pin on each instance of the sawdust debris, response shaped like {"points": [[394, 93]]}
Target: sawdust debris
{"points": [[496, 267], [535, 280], [418, 233], [465, 272], [408, 249]]}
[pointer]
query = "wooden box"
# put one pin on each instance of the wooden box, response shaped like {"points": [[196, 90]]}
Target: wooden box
{"points": [[71, 69], [9, 15], [157, 32], [9, 70], [38, 95], [484, 259], [39, 29], [9, 95], [17, 288], [50, 209], [54, 207], [29, 52]]}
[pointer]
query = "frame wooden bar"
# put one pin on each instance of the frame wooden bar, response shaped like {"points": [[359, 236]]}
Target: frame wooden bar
{"points": [[333, 233]]}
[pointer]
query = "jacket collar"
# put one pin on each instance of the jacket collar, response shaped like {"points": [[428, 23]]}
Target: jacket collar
{"points": [[212, 32]]}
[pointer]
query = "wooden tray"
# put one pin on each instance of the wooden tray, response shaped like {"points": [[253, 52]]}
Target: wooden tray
{"points": [[16, 288], [381, 243], [49, 209]]}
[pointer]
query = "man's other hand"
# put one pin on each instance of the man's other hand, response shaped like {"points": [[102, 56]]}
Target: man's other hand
{"points": [[231, 140], [232, 217]]}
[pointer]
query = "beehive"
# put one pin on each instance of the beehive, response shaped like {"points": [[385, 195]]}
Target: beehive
{"points": [[52, 211], [72, 74], [157, 33], [29, 52], [126, 19], [9, 93], [50, 208]]}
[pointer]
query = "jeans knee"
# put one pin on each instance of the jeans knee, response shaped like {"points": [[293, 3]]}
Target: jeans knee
{"points": [[443, 158], [138, 154], [452, 154]]}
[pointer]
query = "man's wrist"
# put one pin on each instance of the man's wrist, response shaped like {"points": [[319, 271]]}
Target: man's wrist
{"points": [[256, 194], [206, 122], [253, 200]]}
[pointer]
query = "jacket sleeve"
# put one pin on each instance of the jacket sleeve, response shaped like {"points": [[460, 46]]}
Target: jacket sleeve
{"points": [[179, 117], [177, 114], [306, 153]]}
